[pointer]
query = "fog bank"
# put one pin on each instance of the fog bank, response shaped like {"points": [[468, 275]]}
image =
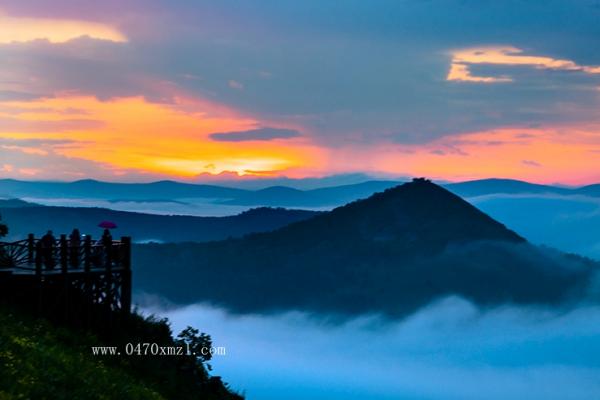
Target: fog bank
{"points": [[449, 350]]}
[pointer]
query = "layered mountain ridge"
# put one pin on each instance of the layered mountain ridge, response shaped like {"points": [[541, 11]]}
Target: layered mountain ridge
{"points": [[391, 253]]}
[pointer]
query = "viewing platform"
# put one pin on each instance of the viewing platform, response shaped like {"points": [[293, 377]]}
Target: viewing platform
{"points": [[69, 275]]}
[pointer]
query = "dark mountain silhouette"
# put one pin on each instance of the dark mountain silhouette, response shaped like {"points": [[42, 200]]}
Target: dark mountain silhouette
{"points": [[274, 196], [331, 196], [172, 191], [392, 253], [504, 186], [590, 190], [25, 218], [89, 188], [16, 203]]}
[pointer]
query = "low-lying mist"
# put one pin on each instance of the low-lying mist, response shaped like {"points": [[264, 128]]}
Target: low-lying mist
{"points": [[448, 350]]}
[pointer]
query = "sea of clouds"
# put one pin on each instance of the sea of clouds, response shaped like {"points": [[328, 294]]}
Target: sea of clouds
{"points": [[448, 350]]}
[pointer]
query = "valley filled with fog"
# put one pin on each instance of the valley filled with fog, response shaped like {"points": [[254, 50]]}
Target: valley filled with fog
{"points": [[449, 350]]}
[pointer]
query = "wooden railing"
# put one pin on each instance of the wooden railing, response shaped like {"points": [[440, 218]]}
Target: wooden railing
{"points": [[47, 270], [38, 255]]}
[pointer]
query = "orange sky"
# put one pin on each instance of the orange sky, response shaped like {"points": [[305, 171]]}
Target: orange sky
{"points": [[134, 134], [55, 127], [173, 140]]}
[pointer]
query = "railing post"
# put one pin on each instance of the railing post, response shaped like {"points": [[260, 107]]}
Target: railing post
{"points": [[30, 248], [63, 254], [87, 263], [38, 259], [87, 253], [38, 276], [108, 253], [64, 265], [108, 277], [126, 274]]}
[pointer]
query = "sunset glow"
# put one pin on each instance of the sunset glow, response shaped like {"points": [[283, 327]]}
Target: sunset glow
{"points": [[133, 134], [539, 155], [191, 94]]}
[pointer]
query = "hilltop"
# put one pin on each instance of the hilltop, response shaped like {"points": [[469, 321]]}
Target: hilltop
{"points": [[393, 252]]}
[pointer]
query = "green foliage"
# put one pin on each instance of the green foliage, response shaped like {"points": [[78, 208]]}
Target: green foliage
{"points": [[196, 343], [40, 361]]}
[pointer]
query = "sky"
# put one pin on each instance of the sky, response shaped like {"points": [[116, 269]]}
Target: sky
{"points": [[212, 90]]}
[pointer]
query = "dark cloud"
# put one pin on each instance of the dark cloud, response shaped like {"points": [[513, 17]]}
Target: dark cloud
{"points": [[376, 72], [17, 110], [87, 66], [255, 134], [531, 163], [50, 164], [46, 164], [21, 125], [449, 149], [36, 142], [13, 95]]}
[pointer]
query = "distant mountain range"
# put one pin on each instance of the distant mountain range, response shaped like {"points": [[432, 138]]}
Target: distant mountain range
{"points": [[23, 218], [565, 218], [275, 196], [510, 186], [89, 188], [391, 253]]}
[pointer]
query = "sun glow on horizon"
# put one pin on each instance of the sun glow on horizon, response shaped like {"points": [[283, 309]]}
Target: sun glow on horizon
{"points": [[134, 134], [542, 155]]}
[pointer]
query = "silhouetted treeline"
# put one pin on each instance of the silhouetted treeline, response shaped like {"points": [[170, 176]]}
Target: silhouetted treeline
{"points": [[27, 218]]}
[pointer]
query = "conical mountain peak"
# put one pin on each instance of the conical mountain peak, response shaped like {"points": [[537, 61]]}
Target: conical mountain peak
{"points": [[418, 213]]}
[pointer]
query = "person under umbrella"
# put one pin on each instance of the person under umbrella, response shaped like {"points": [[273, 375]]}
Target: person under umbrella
{"points": [[47, 246], [107, 225], [106, 236], [107, 239]]}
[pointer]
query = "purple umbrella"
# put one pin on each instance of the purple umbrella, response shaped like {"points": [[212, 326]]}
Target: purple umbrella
{"points": [[107, 225]]}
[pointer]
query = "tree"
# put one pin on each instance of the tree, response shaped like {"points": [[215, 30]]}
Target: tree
{"points": [[198, 344]]}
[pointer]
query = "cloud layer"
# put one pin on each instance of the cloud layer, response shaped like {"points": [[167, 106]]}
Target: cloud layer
{"points": [[505, 353], [511, 56], [15, 29], [255, 134], [375, 89]]}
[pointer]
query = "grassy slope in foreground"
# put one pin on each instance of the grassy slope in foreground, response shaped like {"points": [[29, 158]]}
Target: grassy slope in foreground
{"points": [[39, 360]]}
